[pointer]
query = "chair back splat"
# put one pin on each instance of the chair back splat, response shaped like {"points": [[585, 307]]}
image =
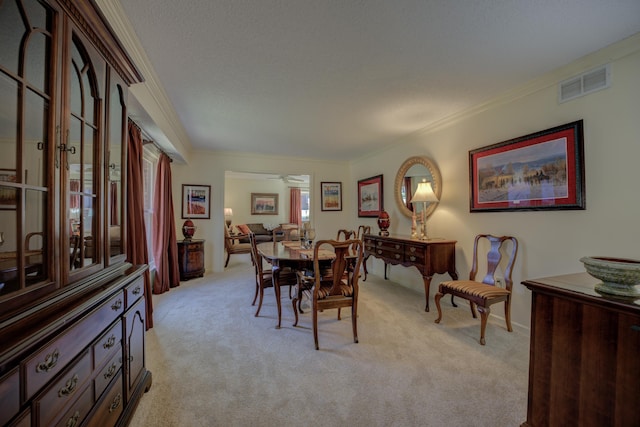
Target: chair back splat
{"points": [[486, 293], [344, 234]]}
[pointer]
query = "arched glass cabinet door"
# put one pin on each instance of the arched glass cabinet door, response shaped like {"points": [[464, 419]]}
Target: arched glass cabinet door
{"points": [[26, 127], [80, 160]]}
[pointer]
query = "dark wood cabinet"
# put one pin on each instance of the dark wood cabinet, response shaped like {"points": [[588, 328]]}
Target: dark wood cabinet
{"points": [[428, 256], [66, 290], [191, 258], [583, 368]]}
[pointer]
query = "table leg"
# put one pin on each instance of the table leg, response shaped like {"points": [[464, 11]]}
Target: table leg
{"points": [[427, 285]]}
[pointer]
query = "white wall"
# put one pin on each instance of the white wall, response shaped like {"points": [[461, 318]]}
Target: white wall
{"points": [[551, 242], [238, 197], [209, 168]]}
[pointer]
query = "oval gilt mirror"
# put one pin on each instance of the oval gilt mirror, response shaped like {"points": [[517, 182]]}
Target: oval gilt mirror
{"points": [[413, 171]]}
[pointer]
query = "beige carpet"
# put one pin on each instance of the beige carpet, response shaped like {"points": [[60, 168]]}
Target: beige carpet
{"points": [[215, 364]]}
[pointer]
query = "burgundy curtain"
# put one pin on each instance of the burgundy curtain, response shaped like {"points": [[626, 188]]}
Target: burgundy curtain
{"points": [[165, 246], [113, 197], [136, 233], [295, 210]]}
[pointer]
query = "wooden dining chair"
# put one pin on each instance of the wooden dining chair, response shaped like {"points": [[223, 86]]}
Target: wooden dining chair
{"points": [[232, 245], [336, 287], [264, 278], [344, 234], [285, 232], [485, 293]]}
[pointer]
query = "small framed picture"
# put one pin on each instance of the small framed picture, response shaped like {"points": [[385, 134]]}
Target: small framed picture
{"points": [[264, 203], [8, 195], [196, 201], [539, 171], [370, 197], [331, 196]]}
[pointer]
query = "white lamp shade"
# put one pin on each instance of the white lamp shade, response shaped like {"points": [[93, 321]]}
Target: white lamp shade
{"points": [[424, 193], [228, 212]]}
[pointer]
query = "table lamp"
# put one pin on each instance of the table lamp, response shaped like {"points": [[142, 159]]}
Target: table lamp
{"points": [[424, 193], [228, 215]]}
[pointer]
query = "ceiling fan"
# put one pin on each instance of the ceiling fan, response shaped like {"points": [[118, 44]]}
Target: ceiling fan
{"points": [[287, 178]]}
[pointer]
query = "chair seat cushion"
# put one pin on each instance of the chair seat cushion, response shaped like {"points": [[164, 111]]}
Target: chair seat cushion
{"points": [[472, 288], [345, 290]]}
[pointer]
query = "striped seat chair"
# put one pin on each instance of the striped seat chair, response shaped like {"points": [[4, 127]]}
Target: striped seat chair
{"points": [[486, 293]]}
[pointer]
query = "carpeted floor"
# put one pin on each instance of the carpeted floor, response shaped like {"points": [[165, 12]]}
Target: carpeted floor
{"points": [[215, 364]]}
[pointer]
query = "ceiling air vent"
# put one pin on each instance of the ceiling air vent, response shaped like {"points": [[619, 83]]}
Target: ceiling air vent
{"points": [[591, 81]]}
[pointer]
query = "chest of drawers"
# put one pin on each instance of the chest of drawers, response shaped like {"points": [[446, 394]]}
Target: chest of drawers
{"points": [[87, 367]]}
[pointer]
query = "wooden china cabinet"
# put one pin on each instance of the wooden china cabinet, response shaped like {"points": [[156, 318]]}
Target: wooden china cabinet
{"points": [[72, 311]]}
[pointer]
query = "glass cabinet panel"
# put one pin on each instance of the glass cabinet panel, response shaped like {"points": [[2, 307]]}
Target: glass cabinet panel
{"points": [[117, 132], [25, 122], [81, 159]]}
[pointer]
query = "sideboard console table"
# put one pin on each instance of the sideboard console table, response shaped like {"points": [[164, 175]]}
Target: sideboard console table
{"points": [[583, 366], [428, 256]]}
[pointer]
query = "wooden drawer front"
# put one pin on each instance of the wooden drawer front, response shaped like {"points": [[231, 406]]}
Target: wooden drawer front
{"points": [[23, 420], [79, 410], [45, 364], [110, 407], [64, 390], [107, 344], [370, 245], [134, 291], [9, 396], [391, 250], [108, 372], [414, 253]]}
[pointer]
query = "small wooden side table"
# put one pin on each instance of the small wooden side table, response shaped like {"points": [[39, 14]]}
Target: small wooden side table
{"points": [[191, 258]]}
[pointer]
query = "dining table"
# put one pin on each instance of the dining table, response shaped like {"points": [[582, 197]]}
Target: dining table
{"points": [[289, 254]]}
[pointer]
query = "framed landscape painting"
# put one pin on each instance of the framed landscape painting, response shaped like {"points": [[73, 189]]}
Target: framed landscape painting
{"points": [[264, 203], [196, 201], [370, 197], [331, 196], [540, 171]]}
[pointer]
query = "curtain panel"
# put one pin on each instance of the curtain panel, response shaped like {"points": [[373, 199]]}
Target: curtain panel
{"points": [[295, 206], [165, 246], [136, 233]]}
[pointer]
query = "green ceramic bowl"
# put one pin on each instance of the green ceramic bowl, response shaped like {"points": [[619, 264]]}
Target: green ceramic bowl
{"points": [[619, 275]]}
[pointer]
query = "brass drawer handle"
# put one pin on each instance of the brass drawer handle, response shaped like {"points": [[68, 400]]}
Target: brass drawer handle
{"points": [[412, 249], [379, 243], [73, 421], [117, 305], [49, 362], [397, 256], [70, 387], [136, 291], [412, 258], [397, 246], [110, 342], [111, 371], [379, 252], [115, 403]]}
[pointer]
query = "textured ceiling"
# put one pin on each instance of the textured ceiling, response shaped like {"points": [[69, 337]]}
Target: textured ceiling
{"points": [[338, 79]]}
